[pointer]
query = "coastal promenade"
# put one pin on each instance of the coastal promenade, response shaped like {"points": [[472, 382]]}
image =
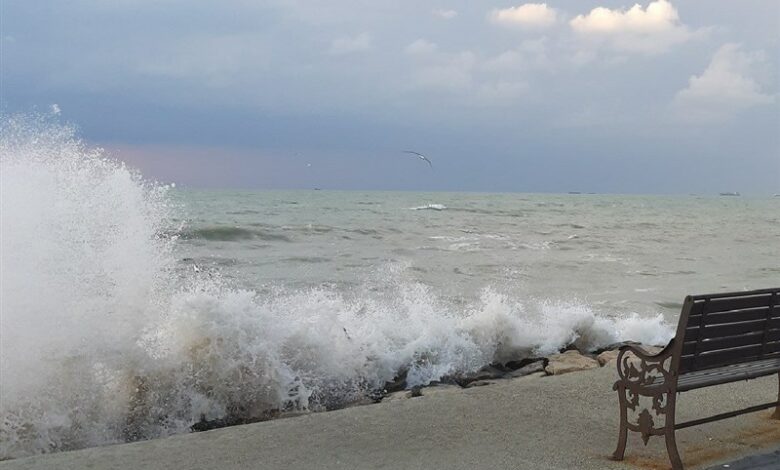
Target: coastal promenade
{"points": [[554, 422]]}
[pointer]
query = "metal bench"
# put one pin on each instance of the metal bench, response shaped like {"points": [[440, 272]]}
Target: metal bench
{"points": [[720, 338]]}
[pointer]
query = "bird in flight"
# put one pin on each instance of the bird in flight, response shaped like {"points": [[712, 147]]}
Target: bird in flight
{"points": [[420, 156]]}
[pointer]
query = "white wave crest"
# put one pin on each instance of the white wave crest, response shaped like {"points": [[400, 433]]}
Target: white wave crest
{"points": [[431, 207]]}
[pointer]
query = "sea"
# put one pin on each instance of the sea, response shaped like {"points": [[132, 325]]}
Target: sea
{"points": [[133, 309]]}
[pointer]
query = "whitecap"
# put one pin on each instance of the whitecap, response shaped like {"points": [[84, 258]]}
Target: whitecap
{"points": [[433, 207]]}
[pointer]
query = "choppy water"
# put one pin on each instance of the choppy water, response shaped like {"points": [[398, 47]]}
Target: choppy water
{"points": [[132, 310], [618, 254]]}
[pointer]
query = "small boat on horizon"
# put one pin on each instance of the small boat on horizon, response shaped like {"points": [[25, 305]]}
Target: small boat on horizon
{"points": [[730, 194]]}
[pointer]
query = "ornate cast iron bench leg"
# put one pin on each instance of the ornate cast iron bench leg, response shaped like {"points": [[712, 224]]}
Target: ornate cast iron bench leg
{"points": [[664, 403], [671, 442], [623, 436], [646, 376]]}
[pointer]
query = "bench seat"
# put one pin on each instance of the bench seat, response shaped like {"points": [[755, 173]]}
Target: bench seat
{"points": [[727, 374]]}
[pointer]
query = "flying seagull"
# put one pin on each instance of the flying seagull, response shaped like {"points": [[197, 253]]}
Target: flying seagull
{"points": [[421, 156]]}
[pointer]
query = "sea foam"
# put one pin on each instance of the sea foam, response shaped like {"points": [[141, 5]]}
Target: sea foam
{"points": [[430, 207], [105, 338]]}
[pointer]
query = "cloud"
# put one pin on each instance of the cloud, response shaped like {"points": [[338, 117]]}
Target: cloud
{"points": [[530, 54], [465, 77], [445, 14], [659, 16], [348, 45], [727, 86], [501, 93], [529, 15], [217, 61], [421, 47], [451, 73], [649, 30]]}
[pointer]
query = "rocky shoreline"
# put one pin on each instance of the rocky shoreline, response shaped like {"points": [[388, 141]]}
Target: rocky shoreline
{"points": [[567, 360]]}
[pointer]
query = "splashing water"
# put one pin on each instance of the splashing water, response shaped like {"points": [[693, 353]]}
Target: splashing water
{"points": [[82, 271], [104, 339]]}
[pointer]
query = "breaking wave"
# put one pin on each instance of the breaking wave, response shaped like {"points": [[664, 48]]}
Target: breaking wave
{"points": [[106, 339], [430, 207]]}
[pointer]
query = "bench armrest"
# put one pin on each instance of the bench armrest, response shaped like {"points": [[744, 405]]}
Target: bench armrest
{"points": [[643, 354], [639, 369]]}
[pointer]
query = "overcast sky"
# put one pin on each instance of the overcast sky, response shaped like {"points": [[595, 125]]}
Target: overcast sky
{"points": [[586, 95]]}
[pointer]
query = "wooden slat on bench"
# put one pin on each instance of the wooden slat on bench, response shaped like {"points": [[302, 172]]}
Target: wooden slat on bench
{"points": [[730, 329], [730, 356], [735, 303], [730, 373], [716, 318], [731, 342], [734, 294]]}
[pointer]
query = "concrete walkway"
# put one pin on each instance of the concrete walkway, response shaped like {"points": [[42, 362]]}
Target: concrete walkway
{"points": [[564, 422]]}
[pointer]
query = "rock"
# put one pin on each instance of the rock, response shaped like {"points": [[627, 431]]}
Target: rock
{"points": [[362, 401], [614, 346], [491, 372], [208, 425], [569, 361], [376, 395], [398, 383], [531, 368], [610, 356], [499, 366], [419, 391], [514, 365], [535, 375], [396, 396], [479, 383], [607, 357], [652, 350], [485, 373]]}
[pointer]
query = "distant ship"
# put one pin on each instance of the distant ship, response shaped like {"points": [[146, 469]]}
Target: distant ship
{"points": [[730, 194]]}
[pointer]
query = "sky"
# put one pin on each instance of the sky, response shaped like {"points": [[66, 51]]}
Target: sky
{"points": [[587, 95]]}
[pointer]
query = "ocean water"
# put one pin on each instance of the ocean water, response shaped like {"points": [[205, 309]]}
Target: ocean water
{"points": [[133, 310], [618, 254]]}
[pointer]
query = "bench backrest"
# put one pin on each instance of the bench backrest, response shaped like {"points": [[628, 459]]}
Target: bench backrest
{"points": [[723, 329]]}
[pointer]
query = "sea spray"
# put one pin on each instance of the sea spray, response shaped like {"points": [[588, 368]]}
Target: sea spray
{"points": [[82, 269], [105, 338]]}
